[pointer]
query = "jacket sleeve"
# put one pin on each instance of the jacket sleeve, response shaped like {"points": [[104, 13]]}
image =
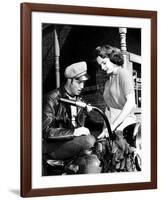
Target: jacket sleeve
{"points": [[50, 129]]}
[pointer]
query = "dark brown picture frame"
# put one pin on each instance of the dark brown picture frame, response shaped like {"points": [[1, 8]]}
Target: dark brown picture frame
{"points": [[26, 99]]}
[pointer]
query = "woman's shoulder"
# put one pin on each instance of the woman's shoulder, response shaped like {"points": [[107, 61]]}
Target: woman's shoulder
{"points": [[124, 72]]}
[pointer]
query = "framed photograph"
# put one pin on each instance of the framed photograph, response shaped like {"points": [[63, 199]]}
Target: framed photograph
{"points": [[58, 43]]}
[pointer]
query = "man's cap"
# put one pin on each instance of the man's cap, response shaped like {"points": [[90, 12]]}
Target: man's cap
{"points": [[77, 70]]}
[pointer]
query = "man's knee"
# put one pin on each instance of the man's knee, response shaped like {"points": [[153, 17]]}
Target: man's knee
{"points": [[89, 141]]}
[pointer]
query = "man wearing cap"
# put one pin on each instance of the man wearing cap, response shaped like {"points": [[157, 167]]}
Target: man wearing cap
{"points": [[64, 131]]}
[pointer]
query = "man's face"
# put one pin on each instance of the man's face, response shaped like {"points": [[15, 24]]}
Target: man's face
{"points": [[76, 87]]}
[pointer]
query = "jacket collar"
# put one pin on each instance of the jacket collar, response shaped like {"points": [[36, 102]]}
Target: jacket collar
{"points": [[65, 94]]}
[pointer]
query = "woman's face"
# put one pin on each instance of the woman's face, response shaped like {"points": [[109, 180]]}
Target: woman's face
{"points": [[106, 64]]}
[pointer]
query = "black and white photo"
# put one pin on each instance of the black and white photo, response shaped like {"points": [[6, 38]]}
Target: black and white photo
{"points": [[108, 79], [88, 99]]}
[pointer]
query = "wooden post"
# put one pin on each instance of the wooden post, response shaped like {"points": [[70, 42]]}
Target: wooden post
{"points": [[127, 63], [123, 32], [56, 58]]}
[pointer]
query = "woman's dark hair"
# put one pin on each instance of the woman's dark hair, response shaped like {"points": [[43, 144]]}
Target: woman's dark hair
{"points": [[107, 51]]}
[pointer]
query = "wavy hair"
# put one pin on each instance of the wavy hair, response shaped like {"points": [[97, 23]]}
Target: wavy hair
{"points": [[107, 51]]}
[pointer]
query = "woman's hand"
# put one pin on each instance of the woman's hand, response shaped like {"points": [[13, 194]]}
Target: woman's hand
{"points": [[113, 127], [103, 134]]}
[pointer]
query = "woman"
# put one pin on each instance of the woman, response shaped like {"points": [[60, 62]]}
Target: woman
{"points": [[119, 93]]}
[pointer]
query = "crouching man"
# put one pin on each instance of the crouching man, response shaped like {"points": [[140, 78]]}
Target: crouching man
{"points": [[64, 133]]}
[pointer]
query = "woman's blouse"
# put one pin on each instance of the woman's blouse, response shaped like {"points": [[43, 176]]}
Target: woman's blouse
{"points": [[117, 87]]}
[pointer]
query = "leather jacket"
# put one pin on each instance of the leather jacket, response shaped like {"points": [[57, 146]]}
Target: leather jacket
{"points": [[57, 122]]}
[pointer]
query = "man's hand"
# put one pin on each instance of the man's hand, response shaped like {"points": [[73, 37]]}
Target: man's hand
{"points": [[81, 131], [89, 108], [104, 134]]}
